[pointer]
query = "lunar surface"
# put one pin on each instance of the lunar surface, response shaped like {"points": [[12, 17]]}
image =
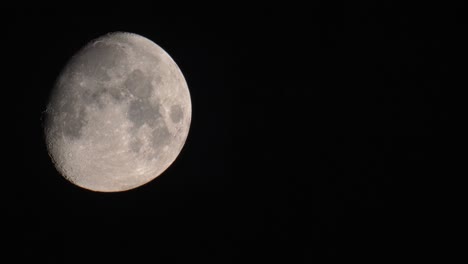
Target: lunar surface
{"points": [[119, 114]]}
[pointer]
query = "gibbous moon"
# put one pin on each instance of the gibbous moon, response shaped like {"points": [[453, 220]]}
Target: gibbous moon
{"points": [[118, 115]]}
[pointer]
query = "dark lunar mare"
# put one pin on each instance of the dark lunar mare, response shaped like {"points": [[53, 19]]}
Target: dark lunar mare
{"points": [[142, 111]]}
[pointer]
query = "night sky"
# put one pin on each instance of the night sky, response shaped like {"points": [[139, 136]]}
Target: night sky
{"points": [[313, 132]]}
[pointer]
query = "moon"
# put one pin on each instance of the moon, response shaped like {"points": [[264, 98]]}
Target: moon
{"points": [[118, 115]]}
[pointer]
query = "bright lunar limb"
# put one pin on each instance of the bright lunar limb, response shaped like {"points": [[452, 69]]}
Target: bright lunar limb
{"points": [[119, 114]]}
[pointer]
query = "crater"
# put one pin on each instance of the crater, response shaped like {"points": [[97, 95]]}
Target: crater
{"points": [[176, 113], [138, 84]]}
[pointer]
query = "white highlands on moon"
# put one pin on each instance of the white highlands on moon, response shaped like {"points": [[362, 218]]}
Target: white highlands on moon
{"points": [[118, 115]]}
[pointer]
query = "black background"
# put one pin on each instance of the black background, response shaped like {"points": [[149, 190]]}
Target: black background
{"points": [[314, 130]]}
